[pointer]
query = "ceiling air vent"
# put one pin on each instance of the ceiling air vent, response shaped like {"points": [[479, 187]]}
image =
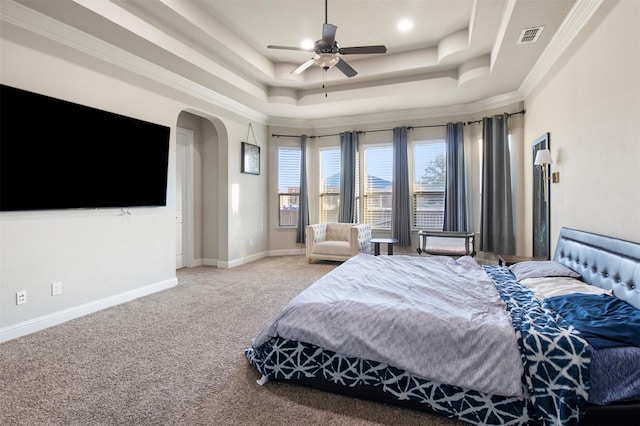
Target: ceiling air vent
{"points": [[530, 35]]}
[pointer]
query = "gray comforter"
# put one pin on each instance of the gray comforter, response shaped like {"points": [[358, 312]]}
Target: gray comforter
{"points": [[435, 317]]}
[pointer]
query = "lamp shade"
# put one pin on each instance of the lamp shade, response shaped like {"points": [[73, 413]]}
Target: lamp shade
{"points": [[543, 156]]}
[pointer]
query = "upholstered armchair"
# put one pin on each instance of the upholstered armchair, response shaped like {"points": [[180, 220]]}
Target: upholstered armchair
{"points": [[337, 241]]}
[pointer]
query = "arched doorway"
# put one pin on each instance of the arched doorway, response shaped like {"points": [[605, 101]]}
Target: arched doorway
{"points": [[197, 189]]}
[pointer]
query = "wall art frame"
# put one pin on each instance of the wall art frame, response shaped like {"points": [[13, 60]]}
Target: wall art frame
{"points": [[250, 159]]}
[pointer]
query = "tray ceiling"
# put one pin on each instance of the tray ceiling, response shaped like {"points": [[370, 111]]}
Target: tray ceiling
{"points": [[458, 53]]}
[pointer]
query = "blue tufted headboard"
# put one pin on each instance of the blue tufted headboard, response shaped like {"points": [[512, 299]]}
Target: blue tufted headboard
{"points": [[602, 261]]}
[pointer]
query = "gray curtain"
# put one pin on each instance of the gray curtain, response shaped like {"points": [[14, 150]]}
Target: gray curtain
{"points": [[348, 149], [456, 214], [401, 196], [303, 207], [496, 215]]}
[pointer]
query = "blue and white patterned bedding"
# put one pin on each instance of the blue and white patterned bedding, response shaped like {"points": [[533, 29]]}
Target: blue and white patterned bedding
{"points": [[604, 321], [615, 375], [554, 357], [439, 317], [612, 329]]}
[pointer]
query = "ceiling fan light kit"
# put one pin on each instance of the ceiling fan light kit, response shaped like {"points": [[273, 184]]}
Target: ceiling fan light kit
{"points": [[326, 60], [328, 53]]}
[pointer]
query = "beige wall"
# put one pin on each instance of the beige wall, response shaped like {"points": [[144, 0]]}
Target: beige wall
{"points": [[590, 105]]}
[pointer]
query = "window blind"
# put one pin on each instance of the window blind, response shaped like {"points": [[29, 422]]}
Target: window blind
{"points": [[329, 184], [429, 174], [288, 186]]}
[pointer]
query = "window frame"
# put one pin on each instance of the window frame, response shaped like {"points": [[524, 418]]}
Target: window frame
{"points": [[433, 194], [322, 193], [366, 197]]}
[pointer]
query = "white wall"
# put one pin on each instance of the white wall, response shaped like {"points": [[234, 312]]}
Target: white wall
{"points": [[96, 254], [590, 105], [101, 256], [246, 233]]}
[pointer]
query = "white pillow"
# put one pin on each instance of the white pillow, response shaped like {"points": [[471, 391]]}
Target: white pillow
{"points": [[540, 269], [559, 286]]}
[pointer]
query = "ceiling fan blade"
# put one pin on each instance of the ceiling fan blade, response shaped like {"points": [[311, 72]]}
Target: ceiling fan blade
{"points": [[358, 50], [328, 34], [303, 67], [289, 48], [346, 68]]}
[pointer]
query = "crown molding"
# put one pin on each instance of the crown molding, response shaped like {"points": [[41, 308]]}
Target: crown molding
{"points": [[35, 22], [446, 112]]}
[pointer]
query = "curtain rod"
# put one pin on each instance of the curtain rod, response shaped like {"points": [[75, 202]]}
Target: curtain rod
{"points": [[508, 115], [357, 131], [310, 137], [386, 130]]}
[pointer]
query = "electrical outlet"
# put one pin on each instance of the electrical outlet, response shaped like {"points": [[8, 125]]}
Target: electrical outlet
{"points": [[21, 297], [56, 288]]}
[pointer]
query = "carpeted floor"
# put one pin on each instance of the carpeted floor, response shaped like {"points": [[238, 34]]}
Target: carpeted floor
{"points": [[176, 358]]}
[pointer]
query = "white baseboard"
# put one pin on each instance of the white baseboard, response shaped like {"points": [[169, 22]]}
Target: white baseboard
{"points": [[251, 258], [287, 252], [242, 260], [46, 321]]}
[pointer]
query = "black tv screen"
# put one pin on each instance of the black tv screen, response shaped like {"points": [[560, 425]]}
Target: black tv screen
{"points": [[56, 154]]}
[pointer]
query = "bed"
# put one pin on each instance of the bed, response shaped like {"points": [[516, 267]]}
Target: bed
{"points": [[468, 341]]}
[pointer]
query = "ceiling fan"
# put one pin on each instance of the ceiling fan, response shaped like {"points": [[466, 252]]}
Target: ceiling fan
{"points": [[328, 52]]}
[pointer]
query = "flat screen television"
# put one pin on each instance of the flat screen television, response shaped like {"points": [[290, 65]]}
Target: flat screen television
{"points": [[56, 154]]}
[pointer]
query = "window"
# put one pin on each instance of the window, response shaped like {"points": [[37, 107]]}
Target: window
{"points": [[289, 160], [377, 185], [329, 184], [428, 184]]}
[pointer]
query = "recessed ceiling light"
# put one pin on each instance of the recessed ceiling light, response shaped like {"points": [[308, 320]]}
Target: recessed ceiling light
{"points": [[405, 25], [307, 44]]}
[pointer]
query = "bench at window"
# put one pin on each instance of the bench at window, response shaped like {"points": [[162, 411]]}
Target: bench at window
{"points": [[446, 243]]}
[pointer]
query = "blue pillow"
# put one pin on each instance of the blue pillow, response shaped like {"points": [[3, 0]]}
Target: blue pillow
{"points": [[605, 321]]}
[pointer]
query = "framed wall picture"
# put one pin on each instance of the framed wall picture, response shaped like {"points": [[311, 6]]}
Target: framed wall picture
{"points": [[250, 158]]}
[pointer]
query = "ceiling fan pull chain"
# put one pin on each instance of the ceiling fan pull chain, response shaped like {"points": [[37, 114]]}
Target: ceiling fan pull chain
{"points": [[324, 82]]}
